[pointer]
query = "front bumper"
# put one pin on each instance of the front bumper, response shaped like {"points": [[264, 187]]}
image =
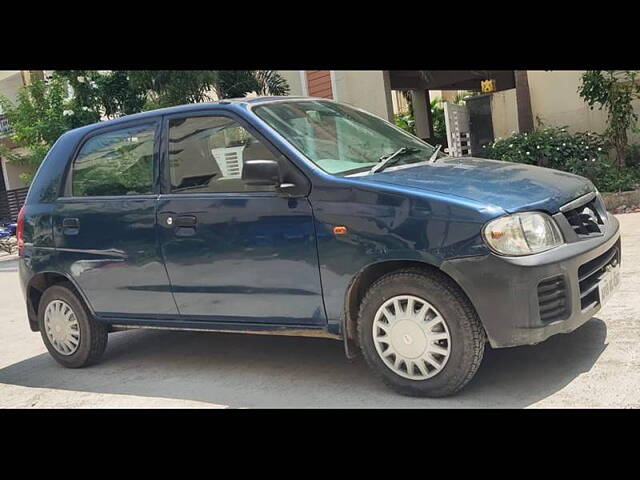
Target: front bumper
{"points": [[513, 295]]}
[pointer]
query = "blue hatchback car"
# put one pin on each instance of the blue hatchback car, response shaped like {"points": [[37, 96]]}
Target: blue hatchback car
{"points": [[303, 216]]}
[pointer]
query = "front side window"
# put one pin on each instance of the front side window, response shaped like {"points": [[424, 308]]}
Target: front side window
{"points": [[340, 139], [207, 155], [119, 162]]}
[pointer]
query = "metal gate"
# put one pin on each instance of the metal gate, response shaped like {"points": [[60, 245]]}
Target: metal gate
{"points": [[480, 122], [456, 119]]}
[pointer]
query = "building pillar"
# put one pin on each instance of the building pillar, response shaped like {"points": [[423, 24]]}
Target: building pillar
{"points": [[386, 81], [421, 113], [523, 102]]}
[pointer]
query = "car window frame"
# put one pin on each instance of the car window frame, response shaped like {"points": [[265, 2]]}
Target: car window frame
{"points": [[165, 168], [66, 192]]}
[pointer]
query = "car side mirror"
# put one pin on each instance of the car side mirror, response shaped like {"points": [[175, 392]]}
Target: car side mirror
{"points": [[261, 173]]}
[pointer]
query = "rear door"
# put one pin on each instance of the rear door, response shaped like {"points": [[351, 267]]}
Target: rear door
{"points": [[234, 253], [105, 224]]}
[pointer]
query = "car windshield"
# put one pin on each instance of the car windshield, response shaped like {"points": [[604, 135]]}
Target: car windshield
{"points": [[339, 139]]}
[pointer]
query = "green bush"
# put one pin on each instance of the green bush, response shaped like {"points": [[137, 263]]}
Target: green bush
{"points": [[437, 117], [405, 121], [632, 159], [580, 153]]}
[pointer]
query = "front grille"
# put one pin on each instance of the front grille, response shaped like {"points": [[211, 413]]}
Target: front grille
{"points": [[552, 299], [587, 219], [589, 276]]}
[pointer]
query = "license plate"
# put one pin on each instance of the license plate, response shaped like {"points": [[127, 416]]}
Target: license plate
{"points": [[608, 283]]}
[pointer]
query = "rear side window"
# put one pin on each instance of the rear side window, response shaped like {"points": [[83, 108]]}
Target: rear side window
{"points": [[207, 155], [119, 162]]}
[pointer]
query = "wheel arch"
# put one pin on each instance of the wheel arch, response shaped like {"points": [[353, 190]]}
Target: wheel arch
{"points": [[363, 280], [36, 287]]}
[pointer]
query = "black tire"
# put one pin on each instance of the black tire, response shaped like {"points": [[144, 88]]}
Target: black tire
{"points": [[93, 334], [466, 332]]}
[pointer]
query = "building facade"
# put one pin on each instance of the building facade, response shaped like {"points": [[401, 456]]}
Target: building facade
{"points": [[522, 101]]}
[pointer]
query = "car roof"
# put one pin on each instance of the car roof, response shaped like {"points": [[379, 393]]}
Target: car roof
{"points": [[191, 107]]}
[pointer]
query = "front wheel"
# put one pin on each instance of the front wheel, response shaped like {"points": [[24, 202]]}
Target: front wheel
{"points": [[420, 333]]}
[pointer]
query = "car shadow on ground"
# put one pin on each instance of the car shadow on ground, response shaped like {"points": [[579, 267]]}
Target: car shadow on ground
{"points": [[263, 371]]}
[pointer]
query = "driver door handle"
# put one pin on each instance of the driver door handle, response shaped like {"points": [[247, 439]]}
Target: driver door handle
{"points": [[185, 221]]}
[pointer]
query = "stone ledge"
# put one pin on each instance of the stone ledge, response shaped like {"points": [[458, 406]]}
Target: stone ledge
{"points": [[619, 199]]}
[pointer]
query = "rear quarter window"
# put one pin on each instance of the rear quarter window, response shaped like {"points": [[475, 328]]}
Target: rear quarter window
{"points": [[115, 163]]}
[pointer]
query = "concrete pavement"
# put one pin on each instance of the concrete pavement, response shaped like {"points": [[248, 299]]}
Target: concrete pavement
{"points": [[598, 365]]}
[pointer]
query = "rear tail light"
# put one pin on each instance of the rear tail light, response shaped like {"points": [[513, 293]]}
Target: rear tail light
{"points": [[20, 231]]}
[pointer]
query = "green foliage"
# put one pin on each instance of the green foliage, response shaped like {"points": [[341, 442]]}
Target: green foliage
{"points": [[580, 153], [405, 121], [38, 118], [167, 88], [437, 116], [237, 83], [613, 90], [271, 83], [632, 160]]}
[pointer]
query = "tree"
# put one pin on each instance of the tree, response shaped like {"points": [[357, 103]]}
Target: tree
{"points": [[38, 118], [613, 90], [122, 92]]}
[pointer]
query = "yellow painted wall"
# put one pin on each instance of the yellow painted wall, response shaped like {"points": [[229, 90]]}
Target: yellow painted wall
{"points": [[504, 113], [294, 80], [11, 172], [555, 102], [363, 89], [10, 83]]}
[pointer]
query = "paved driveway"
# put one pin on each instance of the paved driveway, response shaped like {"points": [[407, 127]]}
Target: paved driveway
{"points": [[598, 365]]}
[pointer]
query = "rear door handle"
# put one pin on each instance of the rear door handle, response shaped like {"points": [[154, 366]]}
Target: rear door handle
{"points": [[70, 226]]}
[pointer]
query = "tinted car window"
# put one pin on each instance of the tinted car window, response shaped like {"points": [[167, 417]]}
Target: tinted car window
{"points": [[207, 154], [118, 162]]}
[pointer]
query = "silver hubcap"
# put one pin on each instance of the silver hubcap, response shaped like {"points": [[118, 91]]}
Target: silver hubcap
{"points": [[61, 326], [411, 337]]}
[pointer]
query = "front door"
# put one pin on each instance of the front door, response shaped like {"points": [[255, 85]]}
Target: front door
{"points": [[105, 225], [234, 252]]}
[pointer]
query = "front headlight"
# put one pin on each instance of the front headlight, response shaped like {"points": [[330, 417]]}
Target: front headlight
{"points": [[522, 234]]}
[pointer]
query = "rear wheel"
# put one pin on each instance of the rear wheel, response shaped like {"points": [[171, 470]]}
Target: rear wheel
{"points": [[420, 334], [72, 337]]}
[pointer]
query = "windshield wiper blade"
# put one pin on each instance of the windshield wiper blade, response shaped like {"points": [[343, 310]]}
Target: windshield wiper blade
{"points": [[387, 160], [434, 155]]}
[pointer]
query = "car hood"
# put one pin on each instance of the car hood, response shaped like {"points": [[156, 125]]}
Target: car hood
{"points": [[511, 186]]}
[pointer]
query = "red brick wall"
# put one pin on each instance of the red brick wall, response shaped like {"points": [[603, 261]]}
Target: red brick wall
{"points": [[319, 83]]}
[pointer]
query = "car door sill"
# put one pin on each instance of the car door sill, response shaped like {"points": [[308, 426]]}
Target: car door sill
{"points": [[253, 328]]}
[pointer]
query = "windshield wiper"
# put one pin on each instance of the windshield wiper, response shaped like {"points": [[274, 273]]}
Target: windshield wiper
{"points": [[387, 160], [434, 155]]}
